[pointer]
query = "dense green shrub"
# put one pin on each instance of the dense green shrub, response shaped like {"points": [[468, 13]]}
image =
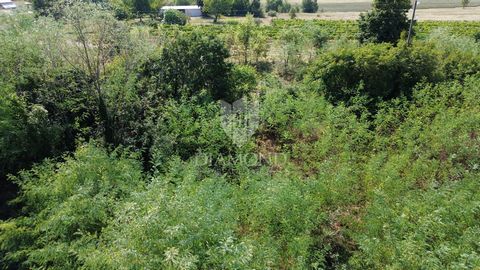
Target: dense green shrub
{"points": [[185, 128], [371, 73], [426, 166], [244, 81], [173, 16], [477, 37], [66, 206]]}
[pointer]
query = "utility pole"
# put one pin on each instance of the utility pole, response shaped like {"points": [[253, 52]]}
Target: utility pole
{"points": [[409, 40]]}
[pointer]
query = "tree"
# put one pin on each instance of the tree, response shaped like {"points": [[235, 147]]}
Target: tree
{"points": [[293, 44], [293, 13], [141, 7], [99, 38], [245, 34], [240, 7], [189, 64], [319, 37], [465, 3], [385, 22], [255, 8], [217, 8], [274, 5], [309, 6]]}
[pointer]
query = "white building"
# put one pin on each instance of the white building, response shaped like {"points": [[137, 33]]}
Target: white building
{"points": [[191, 11], [7, 4]]}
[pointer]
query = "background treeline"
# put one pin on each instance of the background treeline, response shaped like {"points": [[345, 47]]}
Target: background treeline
{"points": [[113, 155]]}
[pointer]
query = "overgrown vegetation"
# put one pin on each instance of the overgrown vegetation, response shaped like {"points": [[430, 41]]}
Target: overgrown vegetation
{"points": [[118, 151]]}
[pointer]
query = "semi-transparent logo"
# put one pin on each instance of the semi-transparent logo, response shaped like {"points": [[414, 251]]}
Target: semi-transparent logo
{"points": [[240, 119]]}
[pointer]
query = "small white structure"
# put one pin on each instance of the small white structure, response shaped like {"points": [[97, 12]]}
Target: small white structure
{"points": [[7, 4], [191, 11]]}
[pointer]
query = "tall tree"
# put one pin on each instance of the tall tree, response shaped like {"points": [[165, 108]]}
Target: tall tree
{"points": [[97, 37], [385, 22], [255, 8], [217, 8]]}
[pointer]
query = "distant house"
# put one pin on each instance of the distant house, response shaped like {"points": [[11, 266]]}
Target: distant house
{"points": [[191, 11], [7, 4]]}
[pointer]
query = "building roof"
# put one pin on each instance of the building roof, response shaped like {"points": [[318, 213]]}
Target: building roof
{"points": [[8, 5], [179, 7]]}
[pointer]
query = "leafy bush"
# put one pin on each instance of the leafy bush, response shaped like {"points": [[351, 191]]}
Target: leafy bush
{"points": [[173, 16], [185, 128], [458, 57], [374, 72], [244, 81], [427, 202], [66, 207], [477, 37]]}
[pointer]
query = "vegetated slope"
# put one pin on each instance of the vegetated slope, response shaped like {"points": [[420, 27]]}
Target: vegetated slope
{"points": [[366, 156]]}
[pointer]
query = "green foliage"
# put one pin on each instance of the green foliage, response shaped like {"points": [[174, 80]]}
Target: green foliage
{"points": [[217, 8], [427, 202], [66, 207], [244, 81], [291, 52], [293, 12], [185, 128], [458, 56], [385, 22], [366, 158], [319, 37], [255, 8], [189, 64], [240, 7], [141, 6], [273, 5], [309, 6], [173, 16], [371, 73]]}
